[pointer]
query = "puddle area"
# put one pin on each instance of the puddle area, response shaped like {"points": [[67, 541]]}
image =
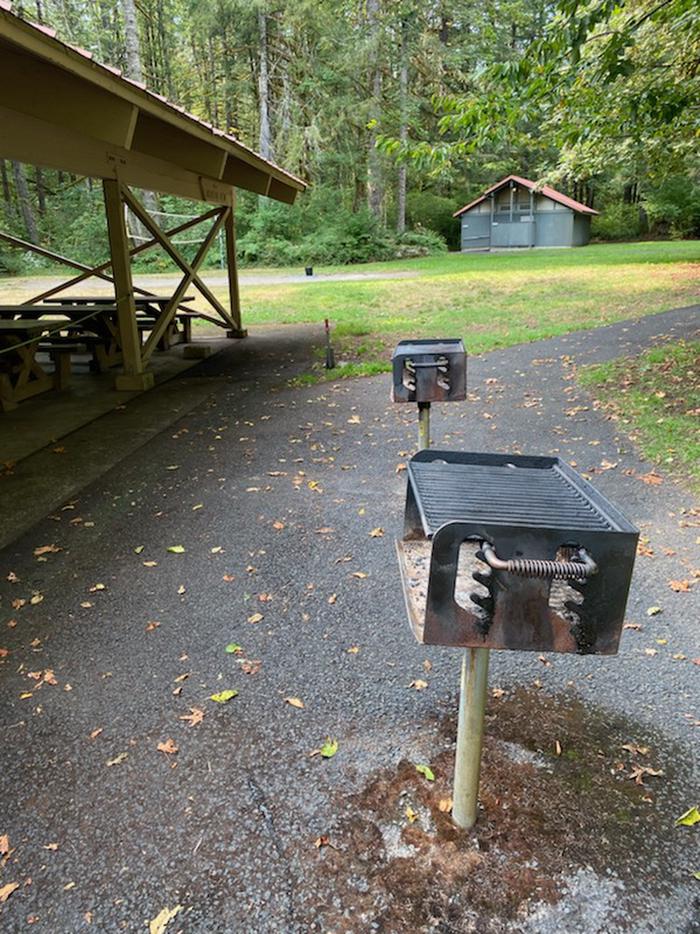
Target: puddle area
{"points": [[576, 833]]}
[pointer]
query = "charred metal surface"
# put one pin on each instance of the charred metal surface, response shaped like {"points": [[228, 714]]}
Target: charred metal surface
{"points": [[429, 371], [552, 558]]}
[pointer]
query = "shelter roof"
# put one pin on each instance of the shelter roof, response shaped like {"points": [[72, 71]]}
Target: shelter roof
{"points": [[60, 108], [531, 186]]}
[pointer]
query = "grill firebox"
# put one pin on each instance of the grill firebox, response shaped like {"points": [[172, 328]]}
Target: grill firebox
{"points": [[429, 371], [513, 552]]}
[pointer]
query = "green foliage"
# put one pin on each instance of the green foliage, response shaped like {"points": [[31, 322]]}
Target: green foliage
{"points": [[433, 212], [675, 207], [619, 221]]}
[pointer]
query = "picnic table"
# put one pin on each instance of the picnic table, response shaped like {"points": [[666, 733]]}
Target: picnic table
{"points": [[21, 374]]}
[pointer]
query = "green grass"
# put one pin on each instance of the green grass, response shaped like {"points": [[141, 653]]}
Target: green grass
{"points": [[656, 397], [490, 300]]}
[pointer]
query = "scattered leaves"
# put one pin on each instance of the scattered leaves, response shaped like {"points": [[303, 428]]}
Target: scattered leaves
{"points": [[158, 924], [194, 717], [7, 890], [689, 819], [46, 550], [223, 697], [329, 748], [680, 586]]}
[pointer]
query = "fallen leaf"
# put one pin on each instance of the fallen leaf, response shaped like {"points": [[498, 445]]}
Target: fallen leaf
{"points": [[216, 550], [332, 599], [557, 747], [654, 611], [49, 677], [46, 550], [636, 750], [4, 653], [445, 805], [223, 697], [96, 587], [634, 626], [96, 733], [250, 666], [181, 589], [400, 468], [650, 651], [377, 533], [150, 564], [329, 748], [360, 575], [354, 420], [153, 624], [163, 919], [168, 747], [651, 479], [295, 702], [233, 648], [183, 677], [50, 846], [4, 844], [638, 772], [679, 586], [689, 819], [255, 618], [7, 890], [194, 717], [411, 815], [176, 549], [36, 598], [418, 684], [353, 650], [426, 772], [278, 525], [118, 759], [138, 550]]}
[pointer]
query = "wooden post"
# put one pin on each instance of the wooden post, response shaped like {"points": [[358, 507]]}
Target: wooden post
{"points": [[133, 376], [232, 269]]}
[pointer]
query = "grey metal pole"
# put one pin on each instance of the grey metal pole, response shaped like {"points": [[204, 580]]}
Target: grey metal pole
{"points": [[423, 425], [470, 734]]}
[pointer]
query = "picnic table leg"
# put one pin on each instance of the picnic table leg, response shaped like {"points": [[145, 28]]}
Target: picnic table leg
{"points": [[133, 377]]}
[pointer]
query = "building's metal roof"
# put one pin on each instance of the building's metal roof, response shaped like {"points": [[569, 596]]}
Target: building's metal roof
{"points": [[60, 108], [531, 186]]}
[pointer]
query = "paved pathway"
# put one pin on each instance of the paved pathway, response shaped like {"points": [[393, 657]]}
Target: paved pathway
{"points": [[274, 493]]}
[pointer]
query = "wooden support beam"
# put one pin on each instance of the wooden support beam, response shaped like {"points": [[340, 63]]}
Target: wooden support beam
{"points": [[133, 376], [98, 271], [232, 269], [174, 254], [170, 309]]}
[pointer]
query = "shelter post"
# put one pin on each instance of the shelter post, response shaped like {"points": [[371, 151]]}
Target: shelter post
{"points": [[133, 376], [232, 270]]}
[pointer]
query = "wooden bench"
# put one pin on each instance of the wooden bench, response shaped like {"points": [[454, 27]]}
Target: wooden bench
{"points": [[60, 353]]}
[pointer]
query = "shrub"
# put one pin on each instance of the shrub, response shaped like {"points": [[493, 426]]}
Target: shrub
{"points": [[424, 209], [674, 207], [618, 221]]}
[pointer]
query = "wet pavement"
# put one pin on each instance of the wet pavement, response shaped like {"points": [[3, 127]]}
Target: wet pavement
{"points": [[274, 493]]}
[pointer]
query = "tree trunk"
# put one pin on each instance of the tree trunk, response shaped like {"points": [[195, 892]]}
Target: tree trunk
{"points": [[375, 193], [403, 129], [265, 145], [134, 70], [6, 193], [24, 202], [131, 41], [40, 190]]}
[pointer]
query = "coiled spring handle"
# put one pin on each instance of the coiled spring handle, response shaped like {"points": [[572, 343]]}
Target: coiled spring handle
{"points": [[537, 567]]}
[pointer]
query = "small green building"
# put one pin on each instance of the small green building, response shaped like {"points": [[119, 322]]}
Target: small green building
{"points": [[516, 213]]}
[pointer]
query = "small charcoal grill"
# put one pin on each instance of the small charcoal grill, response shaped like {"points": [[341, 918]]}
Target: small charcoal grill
{"points": [[426, 371], [513, 552]]}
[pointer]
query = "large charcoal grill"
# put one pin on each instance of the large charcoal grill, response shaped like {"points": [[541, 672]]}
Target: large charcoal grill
{"points": [[513, 552]]}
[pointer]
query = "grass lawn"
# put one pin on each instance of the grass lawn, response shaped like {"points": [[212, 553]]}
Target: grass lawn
{"points": [[656, 397], [489, 299]]}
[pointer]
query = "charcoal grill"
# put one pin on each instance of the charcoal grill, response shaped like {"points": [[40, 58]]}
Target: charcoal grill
{"points": [[513, 552], [426, 371]]}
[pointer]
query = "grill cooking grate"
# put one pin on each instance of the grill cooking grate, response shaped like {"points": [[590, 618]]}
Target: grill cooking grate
{"points": [[538, 497]]}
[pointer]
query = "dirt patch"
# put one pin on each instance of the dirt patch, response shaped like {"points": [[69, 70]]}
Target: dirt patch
{"points": [[559, 798]]}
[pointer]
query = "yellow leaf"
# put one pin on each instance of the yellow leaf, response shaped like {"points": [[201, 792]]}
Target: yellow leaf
{"points": [[255, 618], [376, 533], [411, 815], [163, 919], [689, 819], [445, 805], [223, 697], [295, 702]]}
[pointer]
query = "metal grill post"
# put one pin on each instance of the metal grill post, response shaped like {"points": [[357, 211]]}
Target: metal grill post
{"points": [[423, 425], [470, 734]]}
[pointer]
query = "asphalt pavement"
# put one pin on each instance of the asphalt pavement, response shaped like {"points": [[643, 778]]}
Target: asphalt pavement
{"points": [[264, 520]]}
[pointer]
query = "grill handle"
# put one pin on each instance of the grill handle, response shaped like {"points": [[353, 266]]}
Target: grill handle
{"points": [[537, 567]]}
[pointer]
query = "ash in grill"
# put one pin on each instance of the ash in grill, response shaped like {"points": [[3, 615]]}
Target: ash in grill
{"points": [[513, 552]]}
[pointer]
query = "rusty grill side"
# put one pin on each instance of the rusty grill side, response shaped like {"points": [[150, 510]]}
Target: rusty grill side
{"points": [[532, 521]]}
